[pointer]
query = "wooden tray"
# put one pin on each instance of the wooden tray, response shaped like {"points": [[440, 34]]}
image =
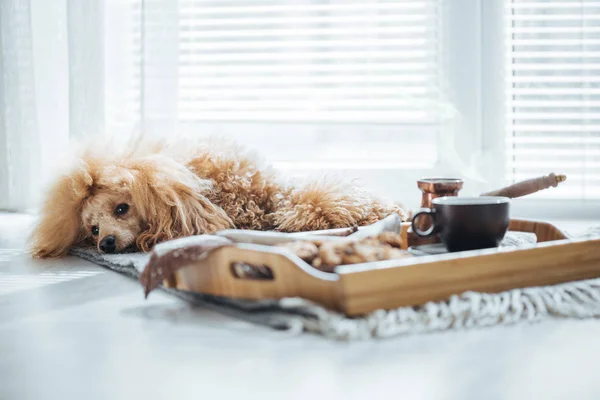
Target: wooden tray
{"points": [[361, 288]]}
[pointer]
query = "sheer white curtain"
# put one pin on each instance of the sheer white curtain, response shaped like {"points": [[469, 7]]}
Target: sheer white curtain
{"points": [[66, 71], [19, 123]]}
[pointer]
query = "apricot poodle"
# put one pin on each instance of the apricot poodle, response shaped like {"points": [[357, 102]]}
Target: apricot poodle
{"points": [[157, 191]]}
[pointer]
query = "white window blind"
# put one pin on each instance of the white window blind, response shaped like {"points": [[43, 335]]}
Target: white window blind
{"points": [[322, 81], [553, 93]]}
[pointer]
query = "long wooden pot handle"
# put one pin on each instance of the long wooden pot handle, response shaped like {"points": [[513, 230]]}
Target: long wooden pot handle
{"points": [[528, 186]]}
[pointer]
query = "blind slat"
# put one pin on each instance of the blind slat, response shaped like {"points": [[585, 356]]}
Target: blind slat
{"points": [[530, 6], [553, 103], [553, 91], [406, 6], [359, 66], [399, 43], [555, 42], [306, 92], [555, 115], [301, 56], [279, 32], [191, 22], [554, 79], [559, 141], [553, 29], [299, 80], [581, 66], [278, 115], [546, 17]]}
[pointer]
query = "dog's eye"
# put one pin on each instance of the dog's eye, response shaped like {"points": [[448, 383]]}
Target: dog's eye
{"points": [[121, 209], [95, 230]]}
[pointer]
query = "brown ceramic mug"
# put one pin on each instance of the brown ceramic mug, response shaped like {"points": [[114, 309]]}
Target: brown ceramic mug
{"points": [[466, 223]]}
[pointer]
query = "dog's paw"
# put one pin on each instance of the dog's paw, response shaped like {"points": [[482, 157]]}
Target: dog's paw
{"points": [[46, 252]]}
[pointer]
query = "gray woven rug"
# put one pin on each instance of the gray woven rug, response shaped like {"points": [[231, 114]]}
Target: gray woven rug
{"points": [[579, 299]]}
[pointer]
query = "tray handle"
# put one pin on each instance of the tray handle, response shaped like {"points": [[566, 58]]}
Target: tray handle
{"points": [[289, 276], [544, 231]]}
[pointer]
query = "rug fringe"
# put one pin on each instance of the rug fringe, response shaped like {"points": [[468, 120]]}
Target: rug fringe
{"points": [[469, 310]]}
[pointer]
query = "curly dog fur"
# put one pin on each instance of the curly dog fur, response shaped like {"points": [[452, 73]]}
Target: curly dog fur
{"points": [[160, 191]]}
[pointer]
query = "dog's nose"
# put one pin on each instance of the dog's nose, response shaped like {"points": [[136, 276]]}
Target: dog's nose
{"points": [[108, 244]]}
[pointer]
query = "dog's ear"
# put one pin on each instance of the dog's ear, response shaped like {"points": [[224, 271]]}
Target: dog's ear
{"points": [[170, 199], [60, 226]]}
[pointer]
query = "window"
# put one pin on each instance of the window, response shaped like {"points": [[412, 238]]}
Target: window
{"points": [[553, 94], [394, 90], [388, 91], [311, 83]]}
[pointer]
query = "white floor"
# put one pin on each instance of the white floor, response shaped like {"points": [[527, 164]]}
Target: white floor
{"points": [[73, 330]]}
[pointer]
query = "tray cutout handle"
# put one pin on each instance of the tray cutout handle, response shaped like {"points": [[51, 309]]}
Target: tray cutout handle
{"points": [[256, 272], [291, 277]]}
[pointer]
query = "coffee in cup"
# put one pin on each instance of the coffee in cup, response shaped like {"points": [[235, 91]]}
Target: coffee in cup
{"points": [[466, 223]]}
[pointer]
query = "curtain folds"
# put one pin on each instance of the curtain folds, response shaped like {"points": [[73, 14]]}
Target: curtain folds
{"points": [[19, 125], [66, 73]]}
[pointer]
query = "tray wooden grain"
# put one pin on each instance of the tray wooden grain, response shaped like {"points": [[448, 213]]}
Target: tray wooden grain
{"points": [[361, 288]]}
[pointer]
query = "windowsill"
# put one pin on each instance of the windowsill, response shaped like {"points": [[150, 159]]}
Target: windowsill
{"points": [[550, 210]]}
